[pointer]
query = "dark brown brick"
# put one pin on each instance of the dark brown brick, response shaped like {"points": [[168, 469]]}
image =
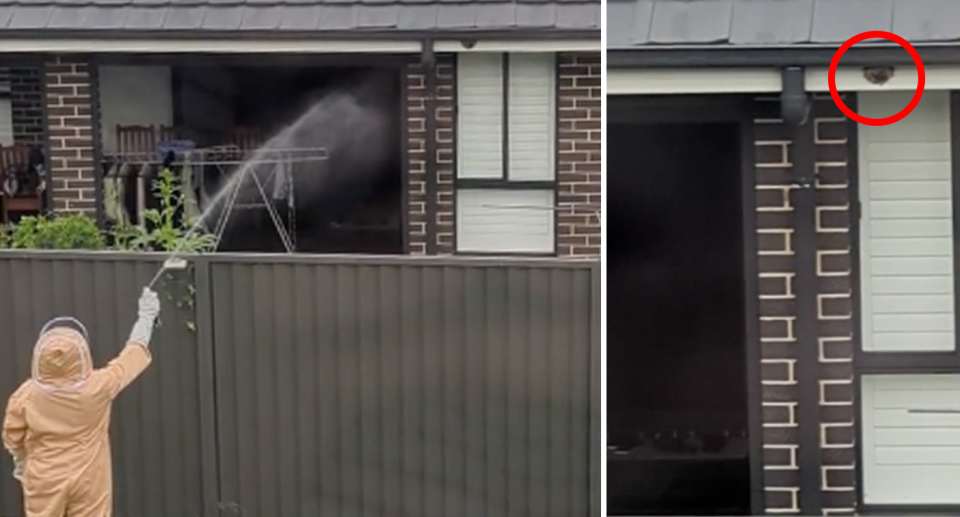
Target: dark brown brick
{"points": [[837, 392], [780, 435], [831, 130], [836, 413], [772, 198], [837, 349], [774, 286], [832, 175], [838, 456], [834, 219], [839, 435], [778, 499], [834, 262], [776, 371], [836, 307], [840, 477], [776, 456], [774, 329], [779, 393]]}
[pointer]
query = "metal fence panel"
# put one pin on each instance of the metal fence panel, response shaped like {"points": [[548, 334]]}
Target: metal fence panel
{"points": [[332, 386], [403, 388], [155, 433]]}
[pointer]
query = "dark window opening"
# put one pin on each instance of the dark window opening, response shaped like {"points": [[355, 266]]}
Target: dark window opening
{"points": [[677, 402], [350, 202]]}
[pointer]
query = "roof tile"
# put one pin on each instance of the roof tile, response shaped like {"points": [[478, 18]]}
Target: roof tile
{"points": [[300, 15]]}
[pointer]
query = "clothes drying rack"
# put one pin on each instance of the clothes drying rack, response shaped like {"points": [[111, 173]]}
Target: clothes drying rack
{"points": [[265, 168]]}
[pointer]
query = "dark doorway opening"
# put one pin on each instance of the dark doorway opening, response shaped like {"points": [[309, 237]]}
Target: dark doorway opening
{"points": [[677, 367]]}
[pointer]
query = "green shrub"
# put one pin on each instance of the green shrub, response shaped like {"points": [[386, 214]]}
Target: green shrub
{"points": [[165, 232], [62, 232]]}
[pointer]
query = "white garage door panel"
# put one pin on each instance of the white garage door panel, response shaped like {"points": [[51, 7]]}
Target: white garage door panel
{"points": [[919, 170], [911, 285], [917, 152], [505, 221], [910, 458], [911, 228], [906, 232], [912, 323], [918, 455], [907, 190], [939, 436], [933, 247], [6, 122], [911, 266], [907, 399], [911, 209], [479, 115], [900, 304], [919, 341], [927, 485]]}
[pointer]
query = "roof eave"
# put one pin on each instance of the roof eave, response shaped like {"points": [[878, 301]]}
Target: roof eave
{"points": [[515, 33], [776, 56]]}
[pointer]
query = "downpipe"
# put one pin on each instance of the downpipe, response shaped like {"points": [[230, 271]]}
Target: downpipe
{"points": [[428, 63], [796, 111]]}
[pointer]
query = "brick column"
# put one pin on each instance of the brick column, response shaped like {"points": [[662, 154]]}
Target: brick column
{"points": [[835, 310], [26, 100], [578, 167], [777, 316], [778, 313], [68, 86], [416, 155]]}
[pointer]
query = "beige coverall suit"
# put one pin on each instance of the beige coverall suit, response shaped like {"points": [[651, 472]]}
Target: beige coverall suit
{"points": [[58, 423]]}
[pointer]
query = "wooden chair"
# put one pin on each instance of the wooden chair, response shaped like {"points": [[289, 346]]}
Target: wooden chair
{"points": [[27, 203], [140, 141], [169, 133], [247, 138]]}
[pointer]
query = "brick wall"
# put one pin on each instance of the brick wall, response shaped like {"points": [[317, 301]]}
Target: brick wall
{"points": [[835, 311], [777, 341], [416, 154], [777, 313], [69, 111], [579, 154], [26, 102]]}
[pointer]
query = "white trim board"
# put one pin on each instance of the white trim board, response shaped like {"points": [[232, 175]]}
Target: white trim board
{"points": [[293, 46], [904, 78], [666, 81]]}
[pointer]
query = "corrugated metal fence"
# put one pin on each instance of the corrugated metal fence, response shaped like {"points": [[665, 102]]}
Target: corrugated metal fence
{"points": [[319, 386]]}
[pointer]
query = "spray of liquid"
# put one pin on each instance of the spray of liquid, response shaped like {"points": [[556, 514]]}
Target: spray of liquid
{"points": [[351, 125]]}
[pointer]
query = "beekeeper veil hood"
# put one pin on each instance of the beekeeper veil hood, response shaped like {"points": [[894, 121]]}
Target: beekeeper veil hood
{"points": [[61, 357]]}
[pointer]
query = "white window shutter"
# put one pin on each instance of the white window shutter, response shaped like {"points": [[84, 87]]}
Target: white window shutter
{"points": [[531, 113], [505, 221], [6, 109], [906, 226], [480, 116]]}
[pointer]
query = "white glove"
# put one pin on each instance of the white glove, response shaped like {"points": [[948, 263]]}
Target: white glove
{"points": [[148, 309], [18, 461], [149, 304]]}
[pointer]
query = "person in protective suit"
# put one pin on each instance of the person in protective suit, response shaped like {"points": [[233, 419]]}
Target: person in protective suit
{"points": [[56, 424]]}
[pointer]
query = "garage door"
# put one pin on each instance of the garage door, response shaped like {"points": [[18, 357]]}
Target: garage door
{"points": [[910, 455]]}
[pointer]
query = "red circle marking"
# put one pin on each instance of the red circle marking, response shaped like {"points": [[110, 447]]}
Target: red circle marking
{"points": [[832, 78]]}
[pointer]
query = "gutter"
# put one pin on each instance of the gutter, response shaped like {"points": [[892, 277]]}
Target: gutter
{"points": [[653, 56], [796, 111], [428, 63]]}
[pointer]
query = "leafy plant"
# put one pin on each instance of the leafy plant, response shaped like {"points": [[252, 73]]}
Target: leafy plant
{"points": [[61, 232], [165, 231]]}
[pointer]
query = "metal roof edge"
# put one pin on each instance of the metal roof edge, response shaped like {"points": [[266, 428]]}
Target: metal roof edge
{"points": [[777, 57], [518, 33]]}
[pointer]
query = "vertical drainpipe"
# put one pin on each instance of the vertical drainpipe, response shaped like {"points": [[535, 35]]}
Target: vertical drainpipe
{"points": [[428, 62], [796, 109]]}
